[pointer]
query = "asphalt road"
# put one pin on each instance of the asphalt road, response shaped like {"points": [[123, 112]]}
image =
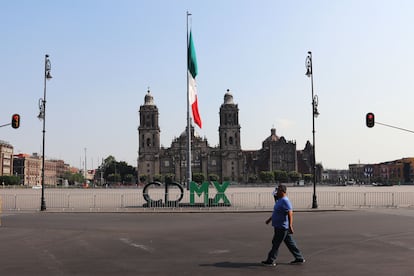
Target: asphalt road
{"points": [[363, 242]]}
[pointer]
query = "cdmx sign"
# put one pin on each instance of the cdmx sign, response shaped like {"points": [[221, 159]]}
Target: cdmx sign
{"points": [[220, 199]]}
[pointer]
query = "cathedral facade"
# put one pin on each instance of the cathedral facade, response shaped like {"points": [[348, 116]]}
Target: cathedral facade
{"points": [[227, 161]]}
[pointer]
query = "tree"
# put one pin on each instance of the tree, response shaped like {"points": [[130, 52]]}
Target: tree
{"points": [[9, 180], [198, 177], [266, 176], [213, 177], [115, 171], [252, 178], [281, 176], [143, 178], [129, 178], [74, 178], [307, 177], [169, 177], [158, 177], [294, 176], [114, 177]]}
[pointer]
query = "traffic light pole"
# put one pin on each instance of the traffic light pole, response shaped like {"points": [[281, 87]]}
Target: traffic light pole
{"points": [[370, 122], [403, 129], [5, 125], [15, 121]]}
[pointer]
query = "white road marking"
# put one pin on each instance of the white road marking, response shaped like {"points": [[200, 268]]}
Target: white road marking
{"points": [[219, 251], [140, 246]]}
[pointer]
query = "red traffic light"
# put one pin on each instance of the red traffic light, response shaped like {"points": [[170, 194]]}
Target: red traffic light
{"points": [[15, 123], [370, 119]]}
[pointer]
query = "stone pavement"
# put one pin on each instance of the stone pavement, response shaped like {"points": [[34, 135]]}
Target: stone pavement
{"points": [[361, 242]]}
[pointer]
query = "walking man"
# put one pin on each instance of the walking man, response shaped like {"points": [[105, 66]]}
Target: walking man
{"points": [[282, 222]]}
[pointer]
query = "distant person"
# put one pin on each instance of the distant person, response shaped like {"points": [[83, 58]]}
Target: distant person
{"points": [[282, 222]]}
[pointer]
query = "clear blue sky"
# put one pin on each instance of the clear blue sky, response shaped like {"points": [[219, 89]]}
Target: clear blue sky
{"points": [[105, 54]]}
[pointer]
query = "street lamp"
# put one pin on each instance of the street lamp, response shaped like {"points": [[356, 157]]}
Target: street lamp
{"points": [[315, 113], [42, 116]]}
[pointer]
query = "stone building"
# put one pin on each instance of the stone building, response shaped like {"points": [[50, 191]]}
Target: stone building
{"points": [[278, 154], [396, 172], [227, 160], [29, 169], [6, 158]]}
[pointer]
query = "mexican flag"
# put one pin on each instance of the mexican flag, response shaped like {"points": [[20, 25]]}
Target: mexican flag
{"points": [[192, 85]]}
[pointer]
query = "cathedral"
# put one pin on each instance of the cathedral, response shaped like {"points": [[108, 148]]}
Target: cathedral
{"points": [[227, 161]]}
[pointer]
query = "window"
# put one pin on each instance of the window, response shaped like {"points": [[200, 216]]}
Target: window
{"points": [[148, 121]]}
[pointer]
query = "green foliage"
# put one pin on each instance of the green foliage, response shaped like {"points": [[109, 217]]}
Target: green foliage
{"points": [[281, 176], [143, 178], [213, 177], [252, 178], [294, 176], [73, 178], [198, 177], [9, 180], [158, 177], [114, 171], [129, 178], [308, 177], [169, 177], [114, 177], [266, 176]]}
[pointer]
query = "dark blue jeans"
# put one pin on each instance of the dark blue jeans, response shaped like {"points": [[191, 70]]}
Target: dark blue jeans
{"points": [[283, 235]]}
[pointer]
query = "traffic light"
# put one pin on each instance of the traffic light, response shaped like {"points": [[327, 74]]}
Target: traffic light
{"points": [[370, 119], [15, 123]]}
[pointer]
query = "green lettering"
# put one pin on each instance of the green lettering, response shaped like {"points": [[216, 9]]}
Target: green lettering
{"points": [[220, 192], [203, 188]]}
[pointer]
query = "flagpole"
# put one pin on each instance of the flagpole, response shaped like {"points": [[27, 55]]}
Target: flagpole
{"points": [[188, 120]]}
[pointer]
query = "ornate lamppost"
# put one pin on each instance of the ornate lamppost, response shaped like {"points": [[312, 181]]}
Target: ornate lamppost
{"points": [[42, 116], [315, 113]]}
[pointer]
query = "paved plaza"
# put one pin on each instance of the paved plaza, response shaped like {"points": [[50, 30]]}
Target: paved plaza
{"points": [[362, 242]]}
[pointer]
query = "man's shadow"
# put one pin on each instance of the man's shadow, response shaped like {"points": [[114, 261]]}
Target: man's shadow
{"points": [[238, 265], [233, 265]]}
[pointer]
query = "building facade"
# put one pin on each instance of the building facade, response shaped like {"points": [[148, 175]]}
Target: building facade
{"points": [[29, 169], [6, 158], [227, 161], [395, 172]]}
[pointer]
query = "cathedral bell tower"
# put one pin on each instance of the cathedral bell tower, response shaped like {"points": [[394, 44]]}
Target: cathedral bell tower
{"points": [[229, 129], [229, 132], [148, 138]]}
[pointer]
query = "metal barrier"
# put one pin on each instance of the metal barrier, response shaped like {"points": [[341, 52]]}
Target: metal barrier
{"points": [[132, 200]]}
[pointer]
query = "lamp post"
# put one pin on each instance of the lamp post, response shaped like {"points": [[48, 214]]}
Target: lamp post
{"points": [[42, 116], [315, 113]]}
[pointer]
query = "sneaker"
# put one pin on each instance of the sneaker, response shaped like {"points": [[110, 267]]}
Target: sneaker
{"points": [[268, 263], [298, 261]]}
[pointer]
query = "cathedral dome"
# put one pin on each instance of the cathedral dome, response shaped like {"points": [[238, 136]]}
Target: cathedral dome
{"points": [[273, 137], [149, 99], [228, 97], [193, 132]]}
